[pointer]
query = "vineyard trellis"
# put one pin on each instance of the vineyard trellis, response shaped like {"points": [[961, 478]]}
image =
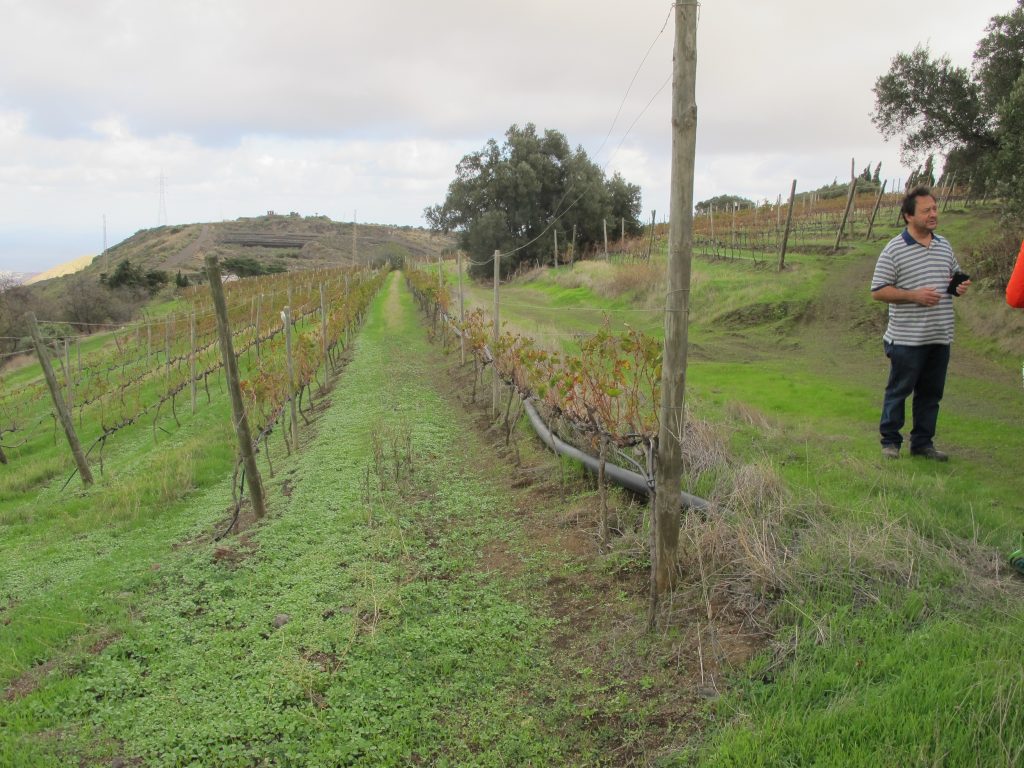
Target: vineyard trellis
{"points": [[606, 394], [128, 378]]}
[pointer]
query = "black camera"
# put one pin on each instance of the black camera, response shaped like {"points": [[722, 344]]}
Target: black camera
{"points": [[958, 277]]}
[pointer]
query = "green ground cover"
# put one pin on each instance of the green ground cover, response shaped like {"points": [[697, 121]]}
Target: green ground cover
{"points": [[898, 623], [353, 627]]}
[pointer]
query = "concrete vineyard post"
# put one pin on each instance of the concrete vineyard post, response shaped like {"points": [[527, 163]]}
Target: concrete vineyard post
{"points": [[239, 419], [58, 403]]}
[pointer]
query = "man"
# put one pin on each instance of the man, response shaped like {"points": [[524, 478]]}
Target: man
{"points": [[914, 275]]}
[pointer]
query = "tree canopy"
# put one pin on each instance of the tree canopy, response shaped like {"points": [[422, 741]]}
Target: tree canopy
{"points": [[517, 196], [973, 116]]}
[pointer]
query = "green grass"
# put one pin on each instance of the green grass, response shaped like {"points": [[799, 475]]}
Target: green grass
{"points": [[896, 623], [398, 648]]}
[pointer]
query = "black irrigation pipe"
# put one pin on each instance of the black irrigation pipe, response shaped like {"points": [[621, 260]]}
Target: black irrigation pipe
{"points": [[633, 481]]}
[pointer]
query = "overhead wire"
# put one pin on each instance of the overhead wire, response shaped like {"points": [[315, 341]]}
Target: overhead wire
{"points": [[560, 214]]}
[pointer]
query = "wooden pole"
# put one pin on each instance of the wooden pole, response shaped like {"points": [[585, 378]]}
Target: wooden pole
{"points": [[240, 420], [68, 380], [256, 337], [732, 231], [874, 210], [58, 402], [496, 399], [554, 259], [669, 466], [286, 317], [192, 359], [949, 192], [846, 213], [789, 222], [572, 251], [650, 243], [604, 224], [323, 333], [462, 313]]}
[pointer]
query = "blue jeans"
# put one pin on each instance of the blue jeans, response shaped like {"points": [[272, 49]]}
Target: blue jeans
{"points": [[921, 371]]}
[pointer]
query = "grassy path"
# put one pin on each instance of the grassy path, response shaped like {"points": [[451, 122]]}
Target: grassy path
{"points": [[360, 624]]}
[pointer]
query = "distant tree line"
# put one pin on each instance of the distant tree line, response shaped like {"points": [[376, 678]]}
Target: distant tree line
{"points": [[517, 197]]}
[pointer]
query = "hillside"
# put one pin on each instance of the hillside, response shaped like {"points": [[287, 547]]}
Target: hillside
{"points": [[277, 243], [67, 268]]}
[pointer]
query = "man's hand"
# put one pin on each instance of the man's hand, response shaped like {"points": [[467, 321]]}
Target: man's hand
{"points": [[962, 288], [926, 297]]}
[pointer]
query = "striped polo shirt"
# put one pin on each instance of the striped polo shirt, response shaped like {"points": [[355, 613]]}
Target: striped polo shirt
{"points": [[905, 263]]}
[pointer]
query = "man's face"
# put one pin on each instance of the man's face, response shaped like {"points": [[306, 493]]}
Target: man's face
{"points": [[925, 217]]}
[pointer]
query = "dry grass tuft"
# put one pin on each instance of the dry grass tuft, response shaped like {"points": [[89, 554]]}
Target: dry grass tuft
{"points": [[705, 447], [748, 414]]}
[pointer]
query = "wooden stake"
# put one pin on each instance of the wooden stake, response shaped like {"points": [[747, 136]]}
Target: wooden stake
{"points": [[669, 465], [846, 213], [462, 312], [287, 318], [496, 399], [874, 210], [789, 222], [192, 360], [239, 419], [58, 402]]}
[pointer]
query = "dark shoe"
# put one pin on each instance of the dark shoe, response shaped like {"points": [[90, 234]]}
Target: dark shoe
{"points": [[890, 451], [931, 452]]}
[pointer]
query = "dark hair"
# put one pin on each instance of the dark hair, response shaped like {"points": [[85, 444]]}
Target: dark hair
{"points": [[909, 205]]}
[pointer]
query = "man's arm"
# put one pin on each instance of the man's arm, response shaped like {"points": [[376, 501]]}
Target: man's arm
{"points": [[890, 294]]}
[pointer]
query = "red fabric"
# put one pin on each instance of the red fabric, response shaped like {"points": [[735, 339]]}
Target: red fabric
{"points": [[1015, 288]]}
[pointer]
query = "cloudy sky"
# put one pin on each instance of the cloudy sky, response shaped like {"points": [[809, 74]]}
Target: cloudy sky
{"points": [[363, 109]]}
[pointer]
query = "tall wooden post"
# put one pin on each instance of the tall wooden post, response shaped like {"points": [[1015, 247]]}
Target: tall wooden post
{"points": [[554, 258], [789, 223], [462, 313], [68, 379], [604, 224], [874, 210], [240, 420], [948, 192], [256, 336], [58, 402], [669, 467], [323, 333], [650, 243], [286, 316], [846, 213], [572, 251], [192, 359], [496, 399]]}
